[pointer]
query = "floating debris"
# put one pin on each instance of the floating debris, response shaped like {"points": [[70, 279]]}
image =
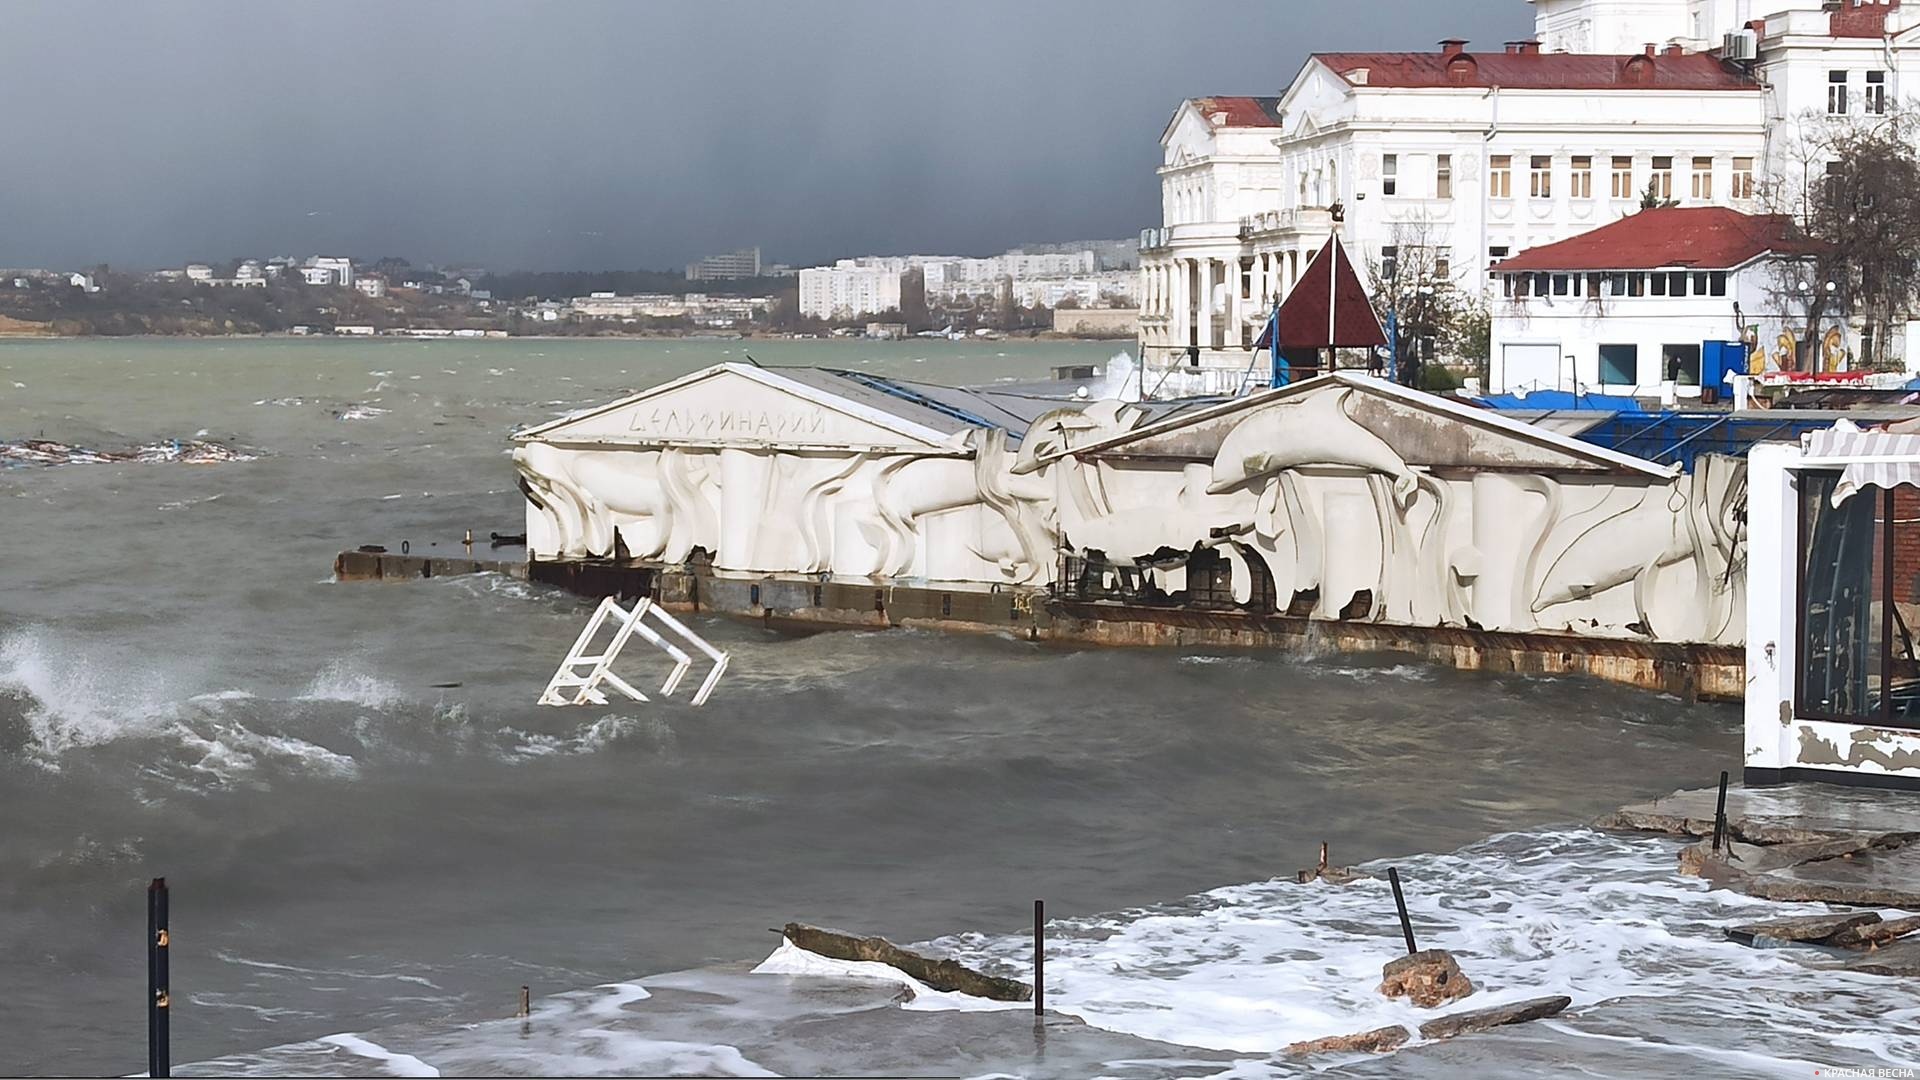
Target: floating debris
{"points": [[25, 452]]}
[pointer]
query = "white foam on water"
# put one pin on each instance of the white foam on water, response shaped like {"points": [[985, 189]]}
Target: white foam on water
{"points": [[1601, 919], [339, 682], [395, 1063], [74, 701], [790, 959]]}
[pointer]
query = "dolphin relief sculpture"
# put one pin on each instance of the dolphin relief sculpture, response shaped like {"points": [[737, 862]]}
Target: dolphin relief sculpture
{"points": [[857, 513], [1345, 526]]}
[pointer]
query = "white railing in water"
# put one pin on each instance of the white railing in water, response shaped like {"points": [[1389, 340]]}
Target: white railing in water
{"points": [[586, 688]]}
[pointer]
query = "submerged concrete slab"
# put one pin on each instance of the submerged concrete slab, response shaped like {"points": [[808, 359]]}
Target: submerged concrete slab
{"points": [[1799, 843], [1788, 814]]}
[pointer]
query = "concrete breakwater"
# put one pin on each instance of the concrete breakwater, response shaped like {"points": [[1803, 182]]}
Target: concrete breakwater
{"points": [[1691, 671]]}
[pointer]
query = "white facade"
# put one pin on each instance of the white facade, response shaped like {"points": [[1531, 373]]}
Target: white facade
{"points": [[339, 271], [370, 286], [1344, 496], [1472, 174], [1485, 161], [852, 287]]}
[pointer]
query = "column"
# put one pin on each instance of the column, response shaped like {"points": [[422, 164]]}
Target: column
{"points": [[1181, 310], [1236, 307], [1204, 309]]}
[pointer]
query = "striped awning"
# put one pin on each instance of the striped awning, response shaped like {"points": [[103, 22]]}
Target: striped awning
{"points": [[1866, 458]]}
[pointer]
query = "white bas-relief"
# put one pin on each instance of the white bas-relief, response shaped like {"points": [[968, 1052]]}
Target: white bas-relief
{"points": [[1334, 499], [1345, 527], [859, 513]]}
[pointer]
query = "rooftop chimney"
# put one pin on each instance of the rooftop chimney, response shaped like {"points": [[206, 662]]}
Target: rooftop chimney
{"points": [[1530, 48], [1652, 49], [1453, 47], [1515, 48], [1676, 50]]}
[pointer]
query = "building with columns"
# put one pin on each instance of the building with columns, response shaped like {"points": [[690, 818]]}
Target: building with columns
{"points": [[1470, 156]]}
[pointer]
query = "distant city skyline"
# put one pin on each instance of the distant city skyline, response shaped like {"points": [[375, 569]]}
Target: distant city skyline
{"points": [[593, 135]]}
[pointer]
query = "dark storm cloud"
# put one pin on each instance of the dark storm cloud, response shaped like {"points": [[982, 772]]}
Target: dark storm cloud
{"points": [[625, 134]]}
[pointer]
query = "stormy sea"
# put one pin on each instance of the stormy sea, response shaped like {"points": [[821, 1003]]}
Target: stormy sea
{"points": [[374, 838]]}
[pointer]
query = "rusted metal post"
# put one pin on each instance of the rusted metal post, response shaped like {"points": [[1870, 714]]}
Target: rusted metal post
{"points": [[1039, 958], [1720, 814], [158, 993], [526, 1001], [1400, 902]]}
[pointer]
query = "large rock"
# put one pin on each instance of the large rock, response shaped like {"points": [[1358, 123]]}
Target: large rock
{"points": [[1463, 1023], [1377, 1041], [1875, 934], [1902, 958], [938, 974], [1805, 928], [1429, 979]]}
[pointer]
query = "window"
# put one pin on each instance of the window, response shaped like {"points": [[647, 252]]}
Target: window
{"points": [[1593, 286], [1699, 284], [1390, 174], [1681, 363], [1877, 93], [1717, 283], [1743, 178], [1540, 183], [1620, 365], [1659, 283], [1856, 600], [1622, 178], [1542, 285], [1500, 176], [1560, 285], [1582, 187], [1443, 263], [1636, 284], [1662, 183], [1676, 284], [1836, 93], [1389, 262], [1443, 176], [1616, 284], [1496, 252], [1703, 179]]}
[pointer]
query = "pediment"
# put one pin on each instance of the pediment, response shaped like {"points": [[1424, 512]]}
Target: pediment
{"points": [[740, 406], [1421, 429]]}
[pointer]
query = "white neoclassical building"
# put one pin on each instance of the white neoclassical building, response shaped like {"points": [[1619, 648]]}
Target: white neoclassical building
{"points": [[1474, 155]]}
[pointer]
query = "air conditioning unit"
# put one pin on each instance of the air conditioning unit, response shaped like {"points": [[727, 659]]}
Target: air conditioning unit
{"points": [[1740, 45]]}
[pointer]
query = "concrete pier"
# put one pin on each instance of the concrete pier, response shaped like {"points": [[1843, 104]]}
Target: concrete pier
{"points": [[1691, 672]]}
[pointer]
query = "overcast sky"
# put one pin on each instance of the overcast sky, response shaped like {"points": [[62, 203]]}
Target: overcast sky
{"points": [[631, 134]]}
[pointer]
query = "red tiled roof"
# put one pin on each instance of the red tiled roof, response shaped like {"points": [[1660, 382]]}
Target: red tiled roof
{"points": [[1537, 71], [1241, 111], [1699, 237]]}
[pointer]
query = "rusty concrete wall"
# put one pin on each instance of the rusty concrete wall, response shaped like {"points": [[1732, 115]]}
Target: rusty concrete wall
{"points": [[386, 566], [1692, 672]]}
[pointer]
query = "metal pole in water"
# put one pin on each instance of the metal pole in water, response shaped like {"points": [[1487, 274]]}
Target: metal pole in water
{"points": [[1720, 813], [526, 1001], [1039, 958], [158, 1051], [1400, 902]]}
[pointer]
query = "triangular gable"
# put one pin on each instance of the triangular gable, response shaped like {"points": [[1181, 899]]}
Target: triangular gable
{"points": [[1327, 307], [746, 406], [1425, 429]]}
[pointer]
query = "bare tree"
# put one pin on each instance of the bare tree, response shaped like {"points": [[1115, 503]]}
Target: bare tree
{"points": [[1850, 189], [1411, 281]]}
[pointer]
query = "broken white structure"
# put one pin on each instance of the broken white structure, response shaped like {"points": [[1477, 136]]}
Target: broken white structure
{"points": [[1340, 497], [1833, 675], [585, 688]]}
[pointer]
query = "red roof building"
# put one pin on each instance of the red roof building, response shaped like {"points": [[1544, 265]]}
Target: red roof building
{"points": [[1679, 237], [1524, 67]]}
